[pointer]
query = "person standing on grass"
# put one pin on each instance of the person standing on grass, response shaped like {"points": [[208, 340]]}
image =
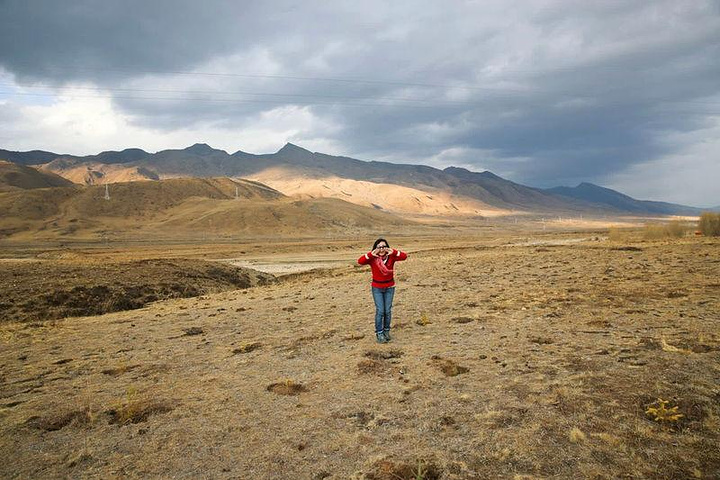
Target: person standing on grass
{"points": [[382, 259]]}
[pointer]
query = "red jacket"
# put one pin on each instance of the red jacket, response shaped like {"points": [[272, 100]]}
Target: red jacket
{"points": [[379, 280]]}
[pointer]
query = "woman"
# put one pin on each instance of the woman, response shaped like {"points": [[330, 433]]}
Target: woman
{"points": [[381, 259]]}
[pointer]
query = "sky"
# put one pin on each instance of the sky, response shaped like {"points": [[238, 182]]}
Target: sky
{"points": [[624, 94]]}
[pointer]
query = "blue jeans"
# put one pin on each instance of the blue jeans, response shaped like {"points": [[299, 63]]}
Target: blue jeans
{"points": [[383, 298]]}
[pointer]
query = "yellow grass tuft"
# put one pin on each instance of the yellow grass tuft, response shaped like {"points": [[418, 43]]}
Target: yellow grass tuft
{"points": [[576, 435], [669, 348], [423, 320], [660, 413]]}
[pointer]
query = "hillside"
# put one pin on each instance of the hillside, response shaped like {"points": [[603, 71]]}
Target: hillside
{"points": [[85, 172], [20, 177], [303, 182], [188, 207]]}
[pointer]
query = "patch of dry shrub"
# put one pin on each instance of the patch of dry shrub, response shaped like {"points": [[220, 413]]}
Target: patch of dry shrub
{"points": [[617, 234], [189, 332], [247, 348], [419, 469], [449, 367], [136, 409], [370, 366], [674, 229], [463, 320], [709, 224], [59, 420], [384, 354], [287, 387], [119, 370]]}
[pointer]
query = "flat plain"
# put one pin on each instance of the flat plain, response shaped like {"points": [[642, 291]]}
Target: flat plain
{"points": [[518, 355]]}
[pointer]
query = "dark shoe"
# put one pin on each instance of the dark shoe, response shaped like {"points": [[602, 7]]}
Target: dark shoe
{"points": [[386, 334], [381, 338]]}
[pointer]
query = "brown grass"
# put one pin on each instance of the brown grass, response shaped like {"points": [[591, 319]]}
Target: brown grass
{"points": [[575, 344]]}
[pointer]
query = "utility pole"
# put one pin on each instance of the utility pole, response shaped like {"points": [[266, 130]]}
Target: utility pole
{"points": [[107, 192]]}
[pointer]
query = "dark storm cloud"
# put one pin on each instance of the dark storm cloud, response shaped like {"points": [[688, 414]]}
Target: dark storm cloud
{"points": [[548, 92], [107, 41]]}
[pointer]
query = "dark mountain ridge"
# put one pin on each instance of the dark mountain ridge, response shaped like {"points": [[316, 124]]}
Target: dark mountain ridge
{"points": [[201, 160], [605, 196]]}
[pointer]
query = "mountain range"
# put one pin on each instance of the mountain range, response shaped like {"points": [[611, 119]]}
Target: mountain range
{"points": [[397, 188]]}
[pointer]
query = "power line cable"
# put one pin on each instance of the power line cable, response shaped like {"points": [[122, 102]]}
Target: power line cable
{"points": [[498, 90], [219, 100], [358, 81], [225, 92], [429, 105]]}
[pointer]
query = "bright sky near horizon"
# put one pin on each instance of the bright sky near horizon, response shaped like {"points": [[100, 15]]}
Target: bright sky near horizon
{"points": [[625, 94]]}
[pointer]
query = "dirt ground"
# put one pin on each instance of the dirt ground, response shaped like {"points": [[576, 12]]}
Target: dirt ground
{"points": [[521, 357]]}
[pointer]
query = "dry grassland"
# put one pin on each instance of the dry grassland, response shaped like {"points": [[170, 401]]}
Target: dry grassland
{"points": [[514, 360]]}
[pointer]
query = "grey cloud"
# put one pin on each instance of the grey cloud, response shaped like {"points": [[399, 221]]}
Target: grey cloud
{"points": [[107, 41]]}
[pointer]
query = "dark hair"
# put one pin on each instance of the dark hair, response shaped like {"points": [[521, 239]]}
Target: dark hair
{"points": [[378, 241]]}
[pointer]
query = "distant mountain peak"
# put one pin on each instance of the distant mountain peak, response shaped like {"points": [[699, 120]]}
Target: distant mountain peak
{"points": [[588, 186], [451, 169], [127, 150], [292, 148], [464, 171], [592, 189], [201, 149]]}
